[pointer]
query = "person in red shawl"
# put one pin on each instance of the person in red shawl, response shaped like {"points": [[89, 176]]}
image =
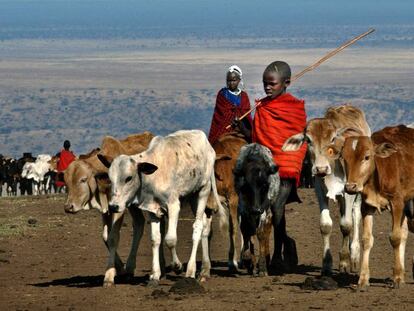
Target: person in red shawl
{"points": [[66, 157], [278, 116], [231, 103]]}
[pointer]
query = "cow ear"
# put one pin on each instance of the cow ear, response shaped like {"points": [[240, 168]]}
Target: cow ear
{"points": [[105, 160], [385, 150], [273, 169], [347, 132], [146, 168], [294, 142]]}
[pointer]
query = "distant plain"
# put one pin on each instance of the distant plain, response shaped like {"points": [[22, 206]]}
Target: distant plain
{"points": [[51, 90]]}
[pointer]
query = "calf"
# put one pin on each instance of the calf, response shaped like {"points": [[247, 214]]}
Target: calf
{"points": [[89, 187], [227, 149], [257, 185], [174, 168], [381, 168], [338, 122]]}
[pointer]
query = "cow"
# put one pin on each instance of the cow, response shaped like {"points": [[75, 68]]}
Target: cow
{"points": [[13, 177], [26, 185], [227, 149], [37, 171], [177, 167], [257, 184], [88, 187], [341, 121], [381, 168]]}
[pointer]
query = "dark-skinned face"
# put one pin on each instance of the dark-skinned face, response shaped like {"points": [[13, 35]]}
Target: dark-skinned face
{"points": [[273, 85], [232, 81]]}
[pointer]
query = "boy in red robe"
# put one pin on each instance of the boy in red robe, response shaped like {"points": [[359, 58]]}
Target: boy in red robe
{"points": [[279, 116], [66, 157], [231, 103]]}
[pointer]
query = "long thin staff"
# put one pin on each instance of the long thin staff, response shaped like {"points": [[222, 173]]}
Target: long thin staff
{"points": [[310, 68]]}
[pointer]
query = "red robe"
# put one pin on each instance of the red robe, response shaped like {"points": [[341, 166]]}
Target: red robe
{"points": [[275, 121], [66, 157], [224, 113]]}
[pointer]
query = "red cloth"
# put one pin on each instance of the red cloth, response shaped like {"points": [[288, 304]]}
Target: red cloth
{"points": [[224, 113], [275, 121], [66, 157]]}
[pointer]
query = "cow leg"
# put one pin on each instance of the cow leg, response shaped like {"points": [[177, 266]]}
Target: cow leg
{"points": [[398, 239], [156, 242], [263, 232], [233, 229], [206, 264], [138, 230], [198, 228], [325, 226], [107, 224], [367, 243], [113, 241], [248, 230], [355, 244], [345, 207], [171, 236]]}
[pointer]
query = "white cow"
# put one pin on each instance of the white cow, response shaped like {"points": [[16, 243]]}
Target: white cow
{"points": [[37, 171], [174, 168]]}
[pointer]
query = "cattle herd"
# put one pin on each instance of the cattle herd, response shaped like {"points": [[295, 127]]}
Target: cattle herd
{"points": [[28, 174], [154, 177]]}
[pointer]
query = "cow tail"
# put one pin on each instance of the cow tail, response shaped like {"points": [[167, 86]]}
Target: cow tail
{"points": [[223, 217]]}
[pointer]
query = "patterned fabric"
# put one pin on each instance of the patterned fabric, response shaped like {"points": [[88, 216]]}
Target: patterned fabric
{"points": [[275, 121], [225, 112]]}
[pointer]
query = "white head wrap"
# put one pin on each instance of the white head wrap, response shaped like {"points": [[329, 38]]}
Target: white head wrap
{"points": [[236, 69]]}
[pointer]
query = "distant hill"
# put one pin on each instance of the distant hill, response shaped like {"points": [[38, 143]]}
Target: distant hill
{"points": [[38, 121]]}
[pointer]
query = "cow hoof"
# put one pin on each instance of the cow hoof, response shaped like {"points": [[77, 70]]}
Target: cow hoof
{"points": [[203, 278], [233, 269], [108, 284], [397, 284], [363, 288], [153, 283], [343, 267], [262, 273], [177, 268]]}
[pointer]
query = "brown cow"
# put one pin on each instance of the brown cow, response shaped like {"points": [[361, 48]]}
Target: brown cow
{"points": [[381, 167], [89, 187], [340, 121], [227, 149]]}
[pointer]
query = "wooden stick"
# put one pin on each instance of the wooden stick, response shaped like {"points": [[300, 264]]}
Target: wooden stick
{"points": [[317, 64]]}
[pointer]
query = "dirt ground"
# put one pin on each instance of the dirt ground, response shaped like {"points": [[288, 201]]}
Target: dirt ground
{"points": [[50, 260]]}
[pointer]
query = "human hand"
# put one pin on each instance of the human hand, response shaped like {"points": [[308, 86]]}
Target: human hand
{"points": [[235, 123]]}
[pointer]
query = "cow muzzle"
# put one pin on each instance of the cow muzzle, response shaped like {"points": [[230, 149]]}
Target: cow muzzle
{"points": [[321, 171], [351, 188], [70, 209], [113, 208]]}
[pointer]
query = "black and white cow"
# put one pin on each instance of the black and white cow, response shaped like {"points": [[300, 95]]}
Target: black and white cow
{"points": [[257, 183]]}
